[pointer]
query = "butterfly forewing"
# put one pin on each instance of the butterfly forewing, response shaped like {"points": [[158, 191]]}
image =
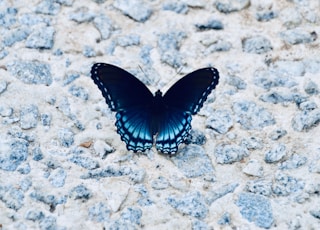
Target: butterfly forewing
{"points": [[120, 88], [191, 91]]}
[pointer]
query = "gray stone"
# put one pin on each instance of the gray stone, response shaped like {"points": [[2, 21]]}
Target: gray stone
{"points": [[257, 44], [191, 204], [193, 161], [229, 153], [256, 208], [31, 72], [135, 9]]}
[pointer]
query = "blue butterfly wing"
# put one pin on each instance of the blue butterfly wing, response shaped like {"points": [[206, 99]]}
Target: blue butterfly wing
{"points": [[190, 92], [120, 88], [173, 128], [183, 99], [134, 127], [131, 100]]}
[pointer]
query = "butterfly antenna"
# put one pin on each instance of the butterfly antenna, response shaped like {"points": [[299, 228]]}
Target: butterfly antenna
{"points": [[142, 70]]}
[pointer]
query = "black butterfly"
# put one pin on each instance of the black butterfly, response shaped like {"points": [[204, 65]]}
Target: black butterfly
{"points": [[141, 115]]}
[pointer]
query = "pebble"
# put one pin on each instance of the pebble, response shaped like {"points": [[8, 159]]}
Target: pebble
{"points": [[216, 194], [37, 154], [311, 88], [3, 87], [25, 184], [193, 161], [256, 208], [16, 35], [34, 215], [57, 177], [290, 17], [225, 219], [191, 204], [45, 119], [102, 149], [218, 46], [268, 79], [295, 161], [305, 120], [297, 36], [212, 24], [99, 212], [253, 168], [135, 9], [31, 72], [144, 199], [196, 137], [277, 134], [66, 137], [160, 183], [50, 200], [266, 15], [228, 6], [128, 40], [88, 51], [41, 38], [85, 162], [79, 91], [285, 185], [31, 19], [138, 176], [289, 68], [178, 7], [229, 153], [257, 45], [48, 222], [251, 116], [132, 215], [282, 97], [237, 82], [70, 77], [115, 192], [12, 197], [24, 168], [109, 171], [13, 152], [199, 225], [275, 154], [220, 121], [80, 192], [252, 143], [104, 25], [81, 15], [260, 186], [169, 45], [29, 117], [47, 7]]}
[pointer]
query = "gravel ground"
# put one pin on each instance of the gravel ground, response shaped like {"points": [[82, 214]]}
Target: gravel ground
{"points": [[253, 161]]}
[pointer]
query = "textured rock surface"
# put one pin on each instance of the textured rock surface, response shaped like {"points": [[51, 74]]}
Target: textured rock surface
{"points": [[252, 160]]}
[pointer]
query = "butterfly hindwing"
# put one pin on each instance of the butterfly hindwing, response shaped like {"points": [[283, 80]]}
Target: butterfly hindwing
{"points": [[134, 127], [191, 91], [173, 130], [119, 87]]}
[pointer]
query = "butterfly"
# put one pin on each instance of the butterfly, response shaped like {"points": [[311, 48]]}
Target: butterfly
{"points": [[140, 115]]}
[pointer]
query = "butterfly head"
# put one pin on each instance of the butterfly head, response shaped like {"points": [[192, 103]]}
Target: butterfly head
{"points": [[158, 93]]}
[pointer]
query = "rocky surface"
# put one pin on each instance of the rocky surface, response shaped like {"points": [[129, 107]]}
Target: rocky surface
{"points": [[252, 162]]}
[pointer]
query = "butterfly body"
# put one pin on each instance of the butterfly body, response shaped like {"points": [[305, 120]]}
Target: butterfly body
{"points": [[140, 115]]}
